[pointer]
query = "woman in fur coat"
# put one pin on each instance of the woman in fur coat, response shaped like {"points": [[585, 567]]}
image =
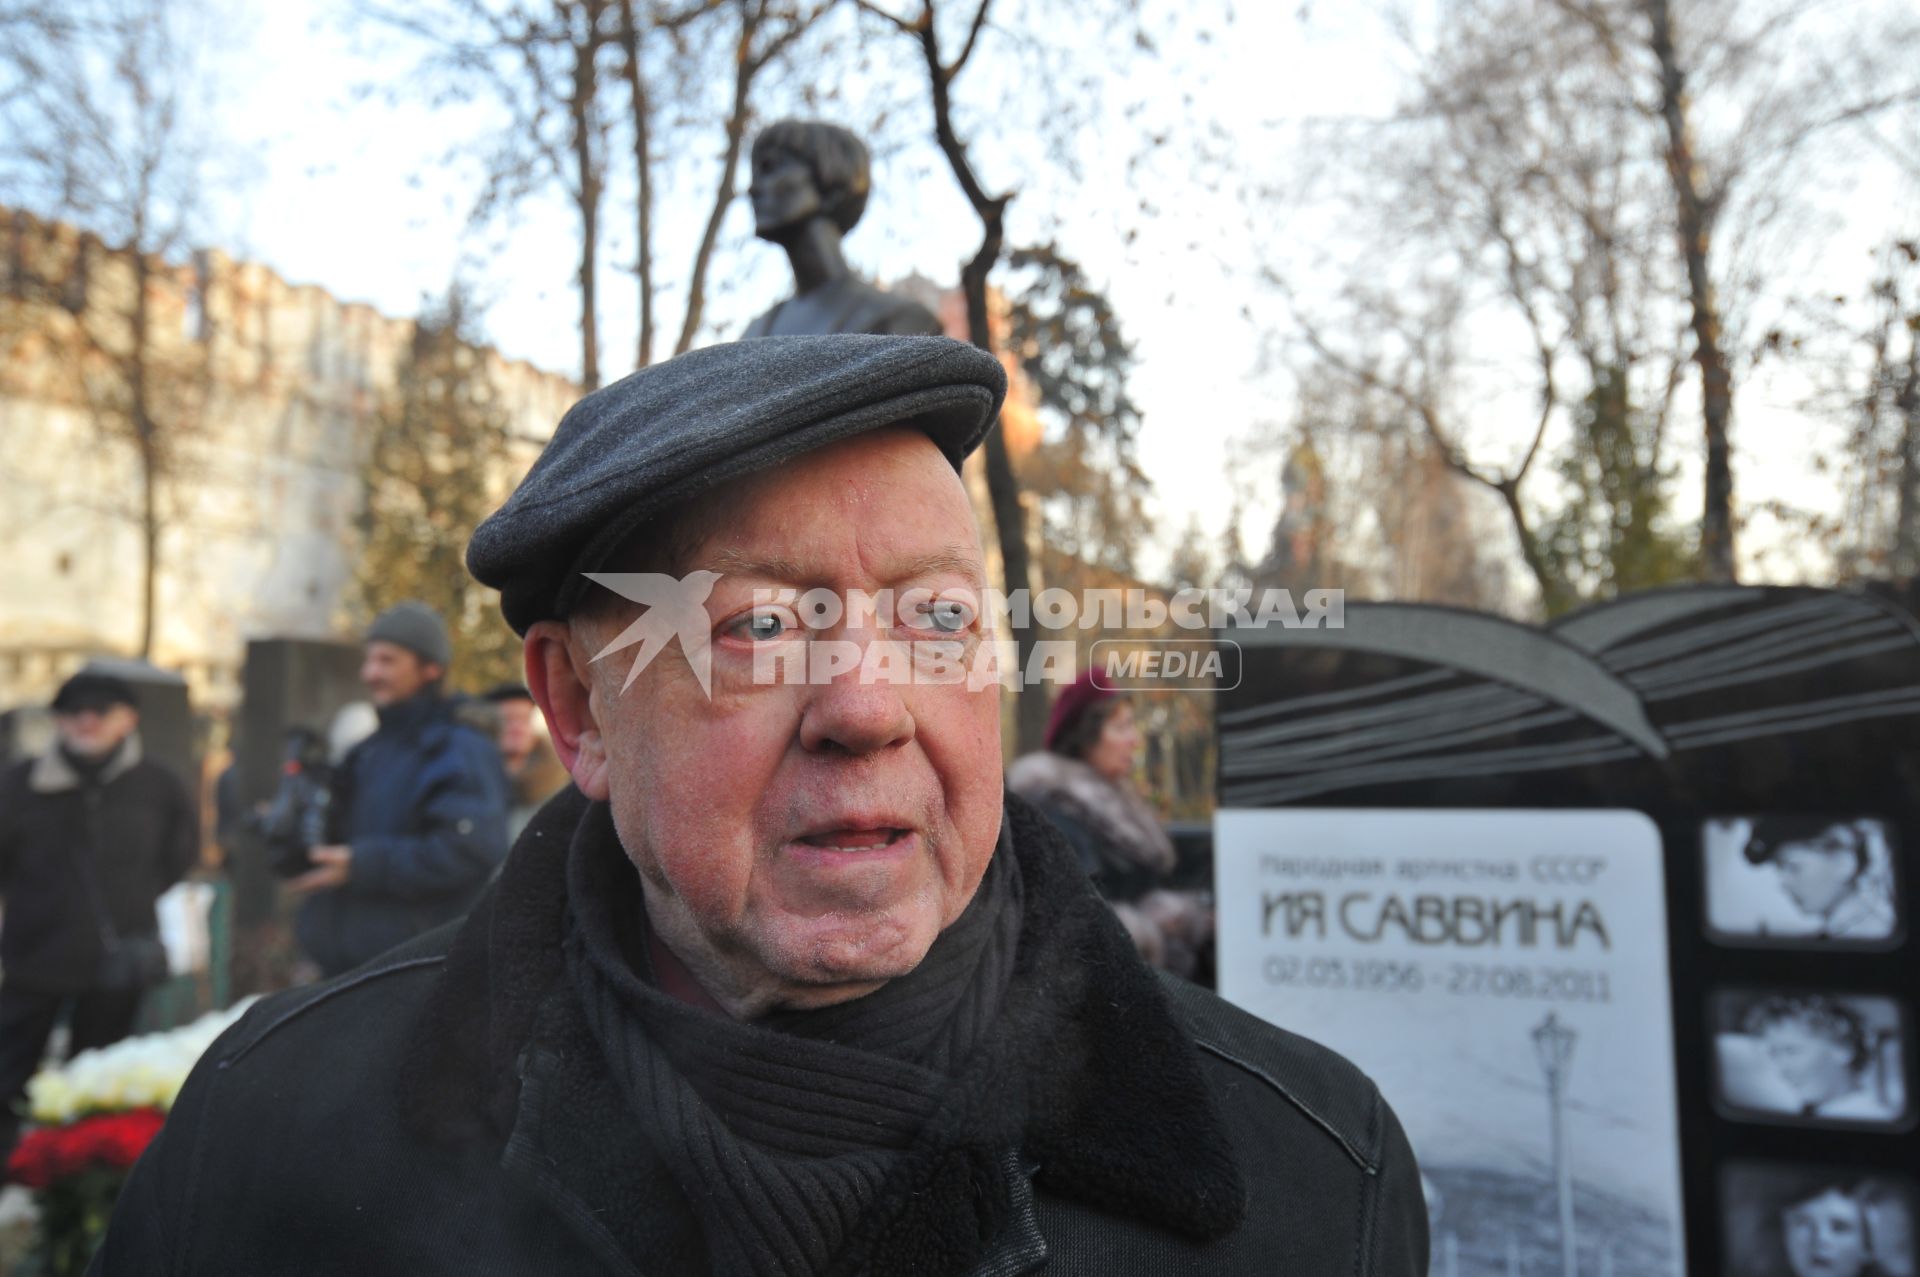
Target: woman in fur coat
{"points": [[1083, 782]]}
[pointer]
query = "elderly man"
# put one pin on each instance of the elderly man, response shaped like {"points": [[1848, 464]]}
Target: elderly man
{"points": [[91, 834], [784, 984]]}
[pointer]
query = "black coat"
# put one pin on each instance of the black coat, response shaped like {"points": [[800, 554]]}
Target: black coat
{"points": [[138, 827], [444, 1111], [423, 804]]}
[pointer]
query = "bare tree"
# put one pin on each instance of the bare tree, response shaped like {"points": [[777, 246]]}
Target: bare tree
{"points": [[1542, 217], [640, 108], [578, 78], [1694, 213], [431, 469], [584, 41], [1009, 517], [1875, 388], [98, 123], [541, 63], [766, 29], [1509, 189], [1796, 93]]}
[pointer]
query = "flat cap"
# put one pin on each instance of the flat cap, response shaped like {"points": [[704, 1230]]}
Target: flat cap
{"points": [[90, 689], [630, 451]]}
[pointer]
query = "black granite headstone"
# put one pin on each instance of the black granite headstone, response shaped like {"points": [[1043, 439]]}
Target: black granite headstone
{"points": [[1771, 737]]}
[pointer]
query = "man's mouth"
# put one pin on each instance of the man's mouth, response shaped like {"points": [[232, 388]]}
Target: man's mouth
{"points": [[874, 839]]}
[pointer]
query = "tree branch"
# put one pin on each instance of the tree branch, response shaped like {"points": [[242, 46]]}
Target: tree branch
{"points": [[973, 36], [867, 6]]}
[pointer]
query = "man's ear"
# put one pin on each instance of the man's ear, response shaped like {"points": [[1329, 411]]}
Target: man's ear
{"points": [[563, 690]]}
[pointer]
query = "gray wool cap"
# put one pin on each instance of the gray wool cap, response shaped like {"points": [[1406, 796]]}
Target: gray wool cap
{"points": [[632, 450], [416, 627]]}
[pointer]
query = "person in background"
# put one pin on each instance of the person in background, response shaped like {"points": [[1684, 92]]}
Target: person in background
{"points": [[91, 833], [1083, 782], [534, 773], [419, 809]]}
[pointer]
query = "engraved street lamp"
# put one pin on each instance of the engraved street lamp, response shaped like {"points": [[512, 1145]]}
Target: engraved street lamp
{"points": [[1553, 1045]]}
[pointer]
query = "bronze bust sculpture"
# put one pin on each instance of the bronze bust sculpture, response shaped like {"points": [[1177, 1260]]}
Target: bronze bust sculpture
{"points": [[810, 185]]}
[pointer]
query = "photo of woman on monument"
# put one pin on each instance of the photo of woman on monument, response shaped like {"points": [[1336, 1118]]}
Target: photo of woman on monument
{"points": [[1808, 1057], [1801, 881], [1804, 1221]]}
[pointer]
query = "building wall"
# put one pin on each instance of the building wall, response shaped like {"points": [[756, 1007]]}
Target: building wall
{"points": [[265, 392]]}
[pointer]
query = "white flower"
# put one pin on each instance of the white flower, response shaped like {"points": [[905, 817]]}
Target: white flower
{"points": [[142, 1072]]}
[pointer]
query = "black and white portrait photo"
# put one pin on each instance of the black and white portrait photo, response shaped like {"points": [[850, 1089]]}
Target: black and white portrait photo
{"points": [[1807, 1221], [1810, 1057], [1800, 880]]}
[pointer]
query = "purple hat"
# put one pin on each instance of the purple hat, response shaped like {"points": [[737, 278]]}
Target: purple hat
{"points": [[1078, 697]]}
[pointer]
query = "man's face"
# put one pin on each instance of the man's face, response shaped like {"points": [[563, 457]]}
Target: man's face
{"points": [[516, 729], [783, 192], [1826, 1237], [392, 673], [1817, 1067], [813, 838], [93, 732], [1818, 873]]}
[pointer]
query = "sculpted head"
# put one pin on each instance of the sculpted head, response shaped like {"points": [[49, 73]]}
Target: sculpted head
{"points": [[803, 169], [800, 842]]}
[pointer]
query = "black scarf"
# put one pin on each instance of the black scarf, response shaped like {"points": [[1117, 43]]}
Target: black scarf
{"points": [[1083, 1073], [783, 1134]]}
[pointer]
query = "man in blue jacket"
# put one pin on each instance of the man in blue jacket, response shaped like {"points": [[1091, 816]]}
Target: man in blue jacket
{"points": [[420, 807]]}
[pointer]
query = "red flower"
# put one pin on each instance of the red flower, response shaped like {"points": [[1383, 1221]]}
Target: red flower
{"points": [[110, 1140]]}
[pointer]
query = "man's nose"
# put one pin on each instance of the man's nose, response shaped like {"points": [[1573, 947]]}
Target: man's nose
{"points": [[854, 717]]}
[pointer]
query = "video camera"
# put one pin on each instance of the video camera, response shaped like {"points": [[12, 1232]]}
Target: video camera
{"points": [[296, 819]]}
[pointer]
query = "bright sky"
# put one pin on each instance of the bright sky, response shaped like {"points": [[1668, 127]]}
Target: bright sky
{"points": [[354, 196]]}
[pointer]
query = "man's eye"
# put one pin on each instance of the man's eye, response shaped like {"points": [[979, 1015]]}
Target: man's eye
{"points": [[764, 625], [949, 616]]}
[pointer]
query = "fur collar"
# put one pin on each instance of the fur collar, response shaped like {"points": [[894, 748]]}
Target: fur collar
{"points": [[53, 774], [1118, 1114], [1113, 811]]}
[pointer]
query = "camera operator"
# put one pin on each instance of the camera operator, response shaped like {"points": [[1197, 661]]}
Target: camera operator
{"points": [[418, 809]]}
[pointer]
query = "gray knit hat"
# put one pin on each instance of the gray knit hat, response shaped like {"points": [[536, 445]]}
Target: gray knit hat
{"points": [[629, 451], [416, 627]]}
